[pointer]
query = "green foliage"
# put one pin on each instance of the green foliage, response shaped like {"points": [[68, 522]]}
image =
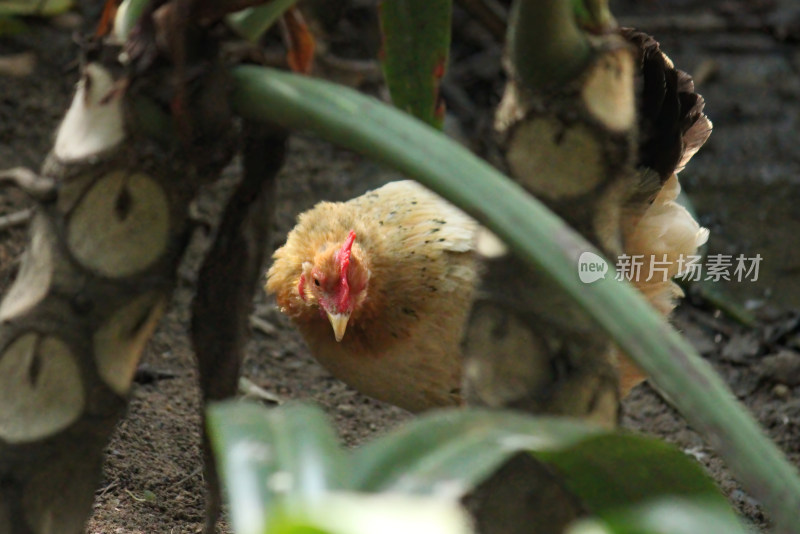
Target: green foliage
{"points": [[250, 23], [617, 470], [664, 516], [545, 44], [128, 14], [34, 8], [253, 22], [541, 239], [11, 10], [416, 43], [284, 471], [280, 455], [457, 449]]}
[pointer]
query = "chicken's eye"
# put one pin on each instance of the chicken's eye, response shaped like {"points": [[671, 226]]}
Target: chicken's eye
{"points": [[316, 282]]}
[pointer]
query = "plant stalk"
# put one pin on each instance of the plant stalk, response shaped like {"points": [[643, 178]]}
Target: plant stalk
{"points": [[546, 46]]}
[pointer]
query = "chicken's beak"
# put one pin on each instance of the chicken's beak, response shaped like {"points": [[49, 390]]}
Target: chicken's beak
{"points": [[339, 323]]}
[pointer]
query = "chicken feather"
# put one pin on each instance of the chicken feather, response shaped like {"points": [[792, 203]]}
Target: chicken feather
{"points": [[672, 128]]}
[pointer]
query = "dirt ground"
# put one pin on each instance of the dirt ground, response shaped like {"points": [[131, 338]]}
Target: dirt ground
{"points": [[743, 184]]}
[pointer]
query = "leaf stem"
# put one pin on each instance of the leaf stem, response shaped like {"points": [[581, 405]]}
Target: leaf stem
{"points": [[546, 46]]}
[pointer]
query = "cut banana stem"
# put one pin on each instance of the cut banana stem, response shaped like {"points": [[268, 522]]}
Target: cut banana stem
{"points": [[105, 242]]}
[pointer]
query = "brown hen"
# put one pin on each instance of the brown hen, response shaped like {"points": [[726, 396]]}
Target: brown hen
{"points": [[380, 288]]}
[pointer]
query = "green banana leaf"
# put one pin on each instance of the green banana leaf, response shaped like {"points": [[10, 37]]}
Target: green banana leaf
{"points": [[283, 468]]}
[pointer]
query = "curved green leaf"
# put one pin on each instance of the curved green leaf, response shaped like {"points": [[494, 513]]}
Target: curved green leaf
{"points": [[38, 8], [359, 513], [616, 470], [253, 22], [355, 121], [664, 516], [270, 458], [416, 43], [451, 451], [128, 14], [284, 471]]}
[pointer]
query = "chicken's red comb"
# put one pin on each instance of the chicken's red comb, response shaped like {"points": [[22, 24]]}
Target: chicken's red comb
{"points": [[343, 257]]}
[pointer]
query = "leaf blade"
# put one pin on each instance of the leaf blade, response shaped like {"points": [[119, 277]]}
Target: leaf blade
{"points": [[416, 44], [253, 22], [664, 516], [267, 458], [47, 8], [614, 471], [448, 453], [451, 451]]}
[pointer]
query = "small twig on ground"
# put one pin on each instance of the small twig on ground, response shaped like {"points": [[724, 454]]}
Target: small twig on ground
{"points": [[15, 219], [724, 303], [248, 389], [146, 374], [263, 326], [36, 186], [715, 324], [190, 476], [108, 488], [149, 496]]}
